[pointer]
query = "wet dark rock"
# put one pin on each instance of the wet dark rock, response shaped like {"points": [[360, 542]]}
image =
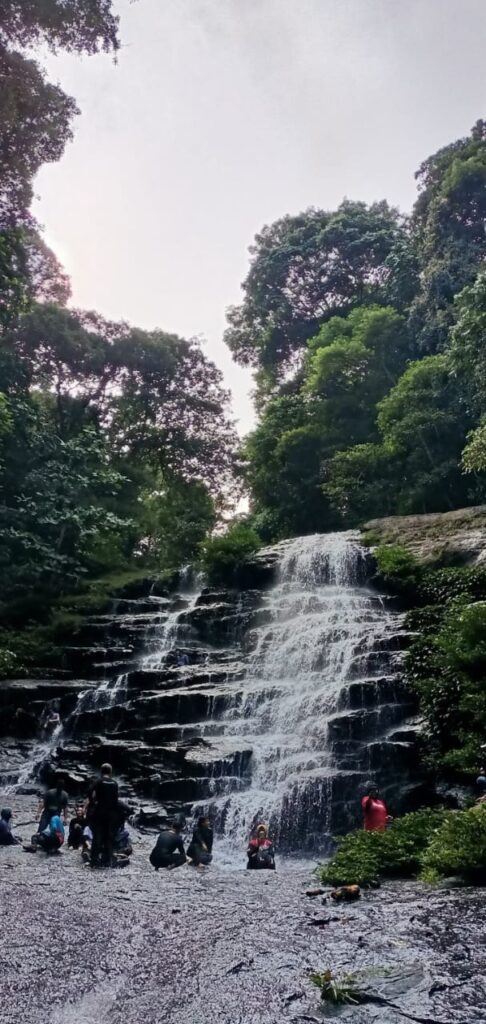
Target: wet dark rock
{"points": [[134, 946], [162, 726]]}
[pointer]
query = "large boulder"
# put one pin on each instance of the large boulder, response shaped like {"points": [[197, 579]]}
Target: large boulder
{"points": [[446, 538]]}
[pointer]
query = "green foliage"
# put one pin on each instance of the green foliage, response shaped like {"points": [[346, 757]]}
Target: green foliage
{"points": [[304, 270], [438, 586], [431, 843], [337, 990], [337, 309], [283, 458], [446, 665], [397, 566], [467, 360], [356, 862], [364, 857], [458, 846], [24, 649], [474, 454], [179, 516], [71, 25], [448, 227], [222, 557]]}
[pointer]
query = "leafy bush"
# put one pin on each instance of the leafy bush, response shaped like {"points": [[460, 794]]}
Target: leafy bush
{"points": [[398, 567], [440, 585], [446, 666], [222, 557], [22, 650], [458, 846], [364, 857], [356, 862]]}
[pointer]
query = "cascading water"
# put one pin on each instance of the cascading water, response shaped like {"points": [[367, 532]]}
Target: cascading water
{"points": [[277, 701], [326, 632]]}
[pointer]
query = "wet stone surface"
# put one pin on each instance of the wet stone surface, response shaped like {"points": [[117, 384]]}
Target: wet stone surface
{"points": [[224, 945]]}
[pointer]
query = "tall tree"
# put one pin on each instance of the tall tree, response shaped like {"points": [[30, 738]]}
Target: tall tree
{"points": [[305, 269], [84, 26], [156, 395], [448, 222], [416, 467]]}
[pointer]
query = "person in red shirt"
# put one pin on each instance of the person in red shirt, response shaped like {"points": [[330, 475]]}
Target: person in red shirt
{"points": [[375, 813]]}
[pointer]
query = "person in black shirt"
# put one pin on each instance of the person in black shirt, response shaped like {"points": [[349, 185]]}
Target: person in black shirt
{"points": [[6, 837], [104, 801], [200, 849], [77, 825], [55, 801], [168, 851]]}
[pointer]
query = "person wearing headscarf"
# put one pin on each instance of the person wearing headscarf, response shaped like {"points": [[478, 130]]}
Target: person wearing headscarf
{"points": [[260, 852]]}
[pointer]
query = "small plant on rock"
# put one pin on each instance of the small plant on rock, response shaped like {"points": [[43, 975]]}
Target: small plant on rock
{"points": [[337, 990]]}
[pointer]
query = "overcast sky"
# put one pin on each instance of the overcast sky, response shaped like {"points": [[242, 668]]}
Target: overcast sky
{"points": [[222, 115]]}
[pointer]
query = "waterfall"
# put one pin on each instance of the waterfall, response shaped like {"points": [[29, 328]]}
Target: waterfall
{"points": [[276, 702], [326, 631]]}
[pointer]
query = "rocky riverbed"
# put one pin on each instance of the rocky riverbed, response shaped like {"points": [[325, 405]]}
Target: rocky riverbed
{"points": [[224, 945]]}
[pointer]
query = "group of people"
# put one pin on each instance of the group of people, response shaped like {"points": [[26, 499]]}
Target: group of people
{"points": [[98, 829]]}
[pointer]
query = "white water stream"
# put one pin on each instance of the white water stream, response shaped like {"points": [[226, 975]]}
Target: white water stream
{"points": [[324, 624]]}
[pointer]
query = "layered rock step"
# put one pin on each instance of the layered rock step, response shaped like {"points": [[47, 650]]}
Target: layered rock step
{"points": [[279, 698]]}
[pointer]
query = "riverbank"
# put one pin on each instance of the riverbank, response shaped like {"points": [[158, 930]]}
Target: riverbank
{"points": [[225, 946]]}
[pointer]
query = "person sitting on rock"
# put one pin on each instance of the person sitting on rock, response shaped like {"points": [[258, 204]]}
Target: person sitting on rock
{"points": [[54, 801], [169, 851], [86, 844], [50, 839], [77, 825], [6, 837], [122, 845], [376, 816], [200, 850], [261, 853]]}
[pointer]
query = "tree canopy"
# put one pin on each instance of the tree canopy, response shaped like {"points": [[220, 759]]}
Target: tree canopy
{"points": [[304, 269], [367, 330], [116, 444]]}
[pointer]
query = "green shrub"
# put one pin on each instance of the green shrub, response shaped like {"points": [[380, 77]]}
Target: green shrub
{"points": [[23, 650], [446, 666], [337, 990], [222, 557], [443, 585], [458, 846], [398, 567], [363, 857], [405, 840], [356, 861]]}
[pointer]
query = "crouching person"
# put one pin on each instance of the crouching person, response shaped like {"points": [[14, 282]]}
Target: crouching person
{"points": [[51, 838], [6, 837], [169, 851], [261, 853], [200, 850]]}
